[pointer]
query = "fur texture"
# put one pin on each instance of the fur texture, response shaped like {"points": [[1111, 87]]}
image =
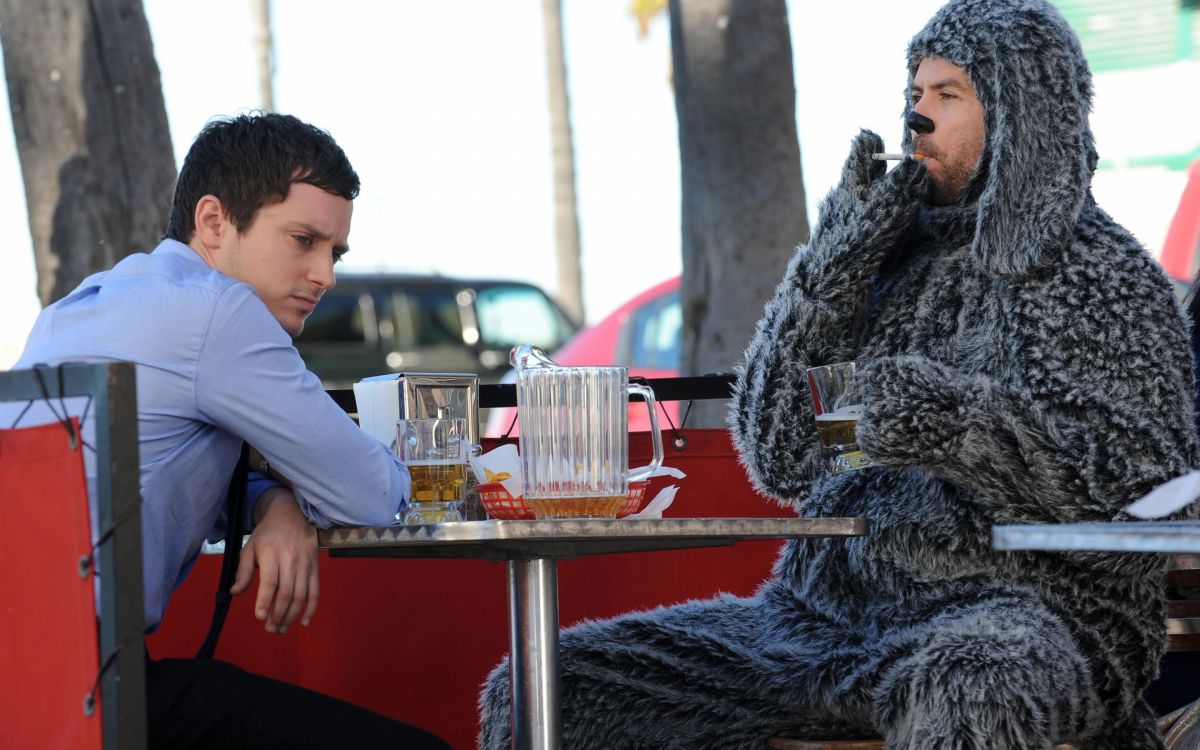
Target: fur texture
{"points": [[1024, 361]]}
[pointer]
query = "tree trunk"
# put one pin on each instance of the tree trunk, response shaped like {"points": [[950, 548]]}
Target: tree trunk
{"points": [[566, 214], [91, 132], [743, 195], [264, 52]]}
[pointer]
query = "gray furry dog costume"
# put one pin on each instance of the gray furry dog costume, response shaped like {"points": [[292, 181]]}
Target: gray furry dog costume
{"points": [[1024, 362]]}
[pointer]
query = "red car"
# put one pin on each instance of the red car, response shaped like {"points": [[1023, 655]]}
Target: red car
{"points": [[1181, 250], [642, 334]]}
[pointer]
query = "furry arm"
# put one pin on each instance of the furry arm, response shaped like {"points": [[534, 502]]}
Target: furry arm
{"points": [[859, 224], [1080, 456], [810, 319]]}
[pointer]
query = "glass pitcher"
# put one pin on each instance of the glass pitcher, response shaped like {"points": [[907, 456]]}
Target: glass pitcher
{"points": [[575, 436]]}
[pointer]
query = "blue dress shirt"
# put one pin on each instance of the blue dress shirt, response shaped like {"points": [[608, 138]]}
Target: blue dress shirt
{"points": [[214, 368]]}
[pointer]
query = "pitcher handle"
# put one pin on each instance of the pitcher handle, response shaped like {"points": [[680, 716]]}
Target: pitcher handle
{"points": [[647, 393]]}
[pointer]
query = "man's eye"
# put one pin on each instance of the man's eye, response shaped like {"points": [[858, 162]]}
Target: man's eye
{"points": [[337, 257], [304, 239]]}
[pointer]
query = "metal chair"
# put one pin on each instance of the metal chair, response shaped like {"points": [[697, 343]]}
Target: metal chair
{"points": [[72, 679], [1181, 728], [1183, 606]]}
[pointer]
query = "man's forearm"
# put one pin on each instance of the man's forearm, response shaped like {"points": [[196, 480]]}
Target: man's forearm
{"points": [[269, 497]]}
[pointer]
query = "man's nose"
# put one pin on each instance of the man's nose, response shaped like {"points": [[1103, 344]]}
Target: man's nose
{"points": [[919, 123], [321, 274]]}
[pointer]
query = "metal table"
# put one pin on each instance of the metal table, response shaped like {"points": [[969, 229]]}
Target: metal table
{"points": [[1178, 537], [1173, 537], [532, 550]]}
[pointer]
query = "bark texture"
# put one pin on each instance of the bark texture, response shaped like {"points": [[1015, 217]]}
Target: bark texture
{"points": [[566, 212], [743, 193], [91, 132], [264, 53]]}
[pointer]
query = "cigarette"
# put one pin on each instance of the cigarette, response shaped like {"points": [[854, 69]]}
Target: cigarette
{"points": [[897, 157]]}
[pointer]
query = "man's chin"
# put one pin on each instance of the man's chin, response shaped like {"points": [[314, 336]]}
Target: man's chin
{"points": [[940, 194], [291, 327]]}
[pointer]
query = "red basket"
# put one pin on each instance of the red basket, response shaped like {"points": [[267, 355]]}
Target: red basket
{"points": [[501, 505]]}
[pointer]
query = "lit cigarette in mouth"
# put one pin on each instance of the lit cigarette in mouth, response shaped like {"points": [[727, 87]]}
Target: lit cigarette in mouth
{"points": [[897, 157]]}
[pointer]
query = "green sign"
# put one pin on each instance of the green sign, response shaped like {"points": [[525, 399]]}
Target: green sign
{"points": [[1119, 34]]}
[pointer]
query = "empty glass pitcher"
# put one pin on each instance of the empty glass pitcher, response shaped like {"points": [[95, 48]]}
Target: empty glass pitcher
{"points": [[575, 436]]}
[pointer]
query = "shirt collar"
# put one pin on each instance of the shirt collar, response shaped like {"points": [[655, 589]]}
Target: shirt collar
{"points": [[169, 246]]}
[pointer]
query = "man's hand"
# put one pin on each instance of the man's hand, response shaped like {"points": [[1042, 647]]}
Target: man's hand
{"points": [[283, 547], [860, 170], [859, 223], [916, 410], [884, 203]]}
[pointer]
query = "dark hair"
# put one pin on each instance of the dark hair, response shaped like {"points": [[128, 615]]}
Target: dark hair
{"points": [[252, 160]]}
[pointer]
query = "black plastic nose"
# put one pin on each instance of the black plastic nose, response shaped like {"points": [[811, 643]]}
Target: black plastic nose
{"points": [[919, 123]]}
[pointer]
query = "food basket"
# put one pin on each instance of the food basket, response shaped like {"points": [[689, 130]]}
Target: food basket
{"points": [[501, 505]]}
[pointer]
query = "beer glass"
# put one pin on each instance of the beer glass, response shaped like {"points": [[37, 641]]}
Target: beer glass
{"points": [[435, 451], [837, 404]]}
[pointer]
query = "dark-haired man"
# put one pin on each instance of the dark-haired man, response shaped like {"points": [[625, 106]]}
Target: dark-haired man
{"points": [[261, 214]]}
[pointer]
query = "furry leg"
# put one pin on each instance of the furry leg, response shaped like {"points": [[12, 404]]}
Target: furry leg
{"points": [[697, 675], [494, 710], [1001, 674], [1138, 732]]}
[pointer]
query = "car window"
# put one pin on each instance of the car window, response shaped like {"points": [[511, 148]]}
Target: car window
{"points": [[338, 319], [655, 331], [510, 315], [427, 317]]}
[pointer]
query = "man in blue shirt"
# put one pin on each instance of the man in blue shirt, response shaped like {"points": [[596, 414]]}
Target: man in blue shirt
{"points": [[261, 214]]}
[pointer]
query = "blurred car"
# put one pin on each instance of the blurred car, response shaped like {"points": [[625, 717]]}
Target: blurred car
{"points": [[1181, 250], [643, 334], [373, 324]]}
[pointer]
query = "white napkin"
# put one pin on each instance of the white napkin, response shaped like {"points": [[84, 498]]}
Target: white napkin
{"points": [[655, 508], [1167, 497], [377, 401], [502, 460], [667, 471]]}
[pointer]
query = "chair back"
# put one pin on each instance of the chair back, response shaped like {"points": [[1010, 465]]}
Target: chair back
{"points": [[74, 674], [1182, 581]]}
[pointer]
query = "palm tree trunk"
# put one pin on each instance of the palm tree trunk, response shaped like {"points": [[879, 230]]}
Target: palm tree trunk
{"points": [[743, 193], [264, 51], [566, 214]]}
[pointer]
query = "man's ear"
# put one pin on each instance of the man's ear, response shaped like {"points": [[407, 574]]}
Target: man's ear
{"points": [[212, 224]]}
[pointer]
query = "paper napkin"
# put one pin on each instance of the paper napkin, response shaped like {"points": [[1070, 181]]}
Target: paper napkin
{"points": [[1167, 497], [655, 508], [500, 466]]}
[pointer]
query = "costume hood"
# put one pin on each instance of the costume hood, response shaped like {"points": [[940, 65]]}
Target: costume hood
{"points": [[1030, 75]]}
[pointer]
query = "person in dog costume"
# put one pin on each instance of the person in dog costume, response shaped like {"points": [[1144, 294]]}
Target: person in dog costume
{"points": [[1023, 361]]}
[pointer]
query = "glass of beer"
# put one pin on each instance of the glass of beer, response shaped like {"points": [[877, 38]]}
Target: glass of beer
{"points": [[837, 404], [435, 451]]}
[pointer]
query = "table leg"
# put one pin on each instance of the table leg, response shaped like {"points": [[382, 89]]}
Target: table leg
{"points": [[533, 642]]}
